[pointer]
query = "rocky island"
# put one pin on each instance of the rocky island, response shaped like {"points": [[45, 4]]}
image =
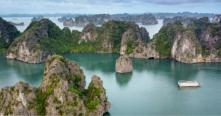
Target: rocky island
{"points": [[195, 42], [124, 65], [185, 40], [41, 39], [62, 92]]}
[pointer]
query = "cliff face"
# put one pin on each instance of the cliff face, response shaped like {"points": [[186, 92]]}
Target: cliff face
{"points": [[8, 33], [132, 38], [186, 48], [196, 42], [123, 65], [112, 36], [185, 40], [145, 51], [17, 100], [62, 92], [29, 47], [89, 33], [160, 46]]}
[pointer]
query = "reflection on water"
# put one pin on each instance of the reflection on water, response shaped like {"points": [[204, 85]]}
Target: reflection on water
{"points": [[174, 70], [104, 63], [123, 79], [151, 89]]}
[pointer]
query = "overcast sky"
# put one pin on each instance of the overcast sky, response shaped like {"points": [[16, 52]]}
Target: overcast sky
{"points": [[107, 6]]}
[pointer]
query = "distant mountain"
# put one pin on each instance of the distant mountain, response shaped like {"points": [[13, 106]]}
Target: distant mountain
{"points": [[184, 20], [83, 20], [183, 14], [216, 19], [159, 15]]}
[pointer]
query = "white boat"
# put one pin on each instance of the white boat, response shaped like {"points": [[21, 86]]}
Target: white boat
{"points": [[188, 84]]}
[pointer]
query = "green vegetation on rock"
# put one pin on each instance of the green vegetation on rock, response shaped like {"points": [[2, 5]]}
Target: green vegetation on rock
{"points": [[40, 102], [131, 45], [93, 94], [164, 39]]}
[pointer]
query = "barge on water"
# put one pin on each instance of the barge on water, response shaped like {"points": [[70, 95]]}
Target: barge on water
{"points": [[188, 84]]}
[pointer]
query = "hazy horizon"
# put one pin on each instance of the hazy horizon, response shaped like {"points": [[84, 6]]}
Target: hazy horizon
{"points": [[108, 6], [105, 13]]}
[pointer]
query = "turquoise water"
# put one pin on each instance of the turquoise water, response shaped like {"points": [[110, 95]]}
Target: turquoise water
{"points": [[150, 90], [13, 71]]}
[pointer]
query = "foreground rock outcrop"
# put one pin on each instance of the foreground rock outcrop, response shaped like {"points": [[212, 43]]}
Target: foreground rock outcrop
{"points": [[62, 92], [123, 65], [8, 33]]}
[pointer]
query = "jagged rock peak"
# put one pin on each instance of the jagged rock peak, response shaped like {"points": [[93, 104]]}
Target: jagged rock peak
{"points": [[62, 92]]}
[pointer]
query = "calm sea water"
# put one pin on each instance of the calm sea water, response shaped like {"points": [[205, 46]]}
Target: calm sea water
{"points": [[150, 90]]}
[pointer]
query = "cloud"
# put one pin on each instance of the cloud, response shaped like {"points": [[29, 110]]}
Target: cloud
{"points": [[174, 2], [165, 2], [107, 6]]}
